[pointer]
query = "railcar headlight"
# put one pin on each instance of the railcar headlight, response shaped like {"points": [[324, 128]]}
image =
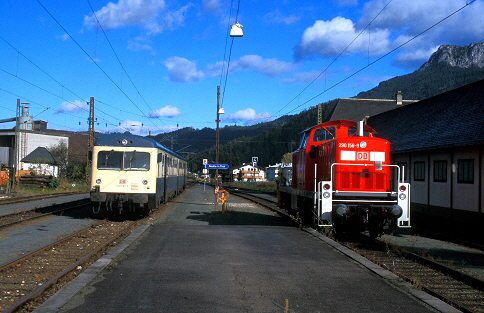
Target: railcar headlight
{"points": [[326, 195], [98, 181], [145, 182], [402, 196]]}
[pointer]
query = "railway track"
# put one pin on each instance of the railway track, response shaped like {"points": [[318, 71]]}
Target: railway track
{"points": [[29, 280], [12, 200], [459, 289], [29, 215]]}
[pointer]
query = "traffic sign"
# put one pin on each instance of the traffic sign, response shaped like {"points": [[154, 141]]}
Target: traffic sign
{"points": [[217, 166]]}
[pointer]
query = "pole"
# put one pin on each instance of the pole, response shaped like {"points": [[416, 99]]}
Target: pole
{"points": [[90, 140], [217, 134]]}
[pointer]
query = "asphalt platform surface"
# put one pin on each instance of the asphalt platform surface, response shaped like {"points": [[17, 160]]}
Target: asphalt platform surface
{"points": [[193, 258]]}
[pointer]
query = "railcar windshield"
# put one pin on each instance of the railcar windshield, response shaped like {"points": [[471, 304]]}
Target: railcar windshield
{"points": [[123, 160]]}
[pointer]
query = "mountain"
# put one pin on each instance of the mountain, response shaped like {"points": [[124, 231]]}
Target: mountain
{"points": [[448, 68], [457, 56]]}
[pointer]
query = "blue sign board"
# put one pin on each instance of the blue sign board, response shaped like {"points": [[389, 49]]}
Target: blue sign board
{"points": [[217, 166]]}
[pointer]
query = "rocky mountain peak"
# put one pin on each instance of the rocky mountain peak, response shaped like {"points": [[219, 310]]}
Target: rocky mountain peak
{"points": [[457, 56]]}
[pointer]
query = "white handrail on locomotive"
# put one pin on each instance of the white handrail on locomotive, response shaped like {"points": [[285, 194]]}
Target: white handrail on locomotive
{"points": [[323, 199]]}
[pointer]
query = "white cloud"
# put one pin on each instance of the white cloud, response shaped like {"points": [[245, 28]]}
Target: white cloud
{"points": [[182, 70], [211, 6], [248, 117], [331, 38], [269, 67], [393, 24], [140, 129], [302, 77], [413, 58], [344, 3], [277, 17], [125, 12], [73, 107], [166, 111]]}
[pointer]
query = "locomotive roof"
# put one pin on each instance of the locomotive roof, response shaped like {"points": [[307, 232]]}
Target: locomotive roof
{"points": [[129, 140], [346, 123]]}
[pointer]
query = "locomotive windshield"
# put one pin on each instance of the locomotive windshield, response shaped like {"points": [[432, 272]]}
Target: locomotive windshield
{"points": [[123, 160], [326, 133], [353, 131]]}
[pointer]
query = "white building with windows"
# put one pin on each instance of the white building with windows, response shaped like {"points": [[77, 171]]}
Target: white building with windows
{"points": [[248, 172]]}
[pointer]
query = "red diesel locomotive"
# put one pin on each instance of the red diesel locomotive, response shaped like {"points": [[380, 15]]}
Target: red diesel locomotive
{"points": [[342, 177]]}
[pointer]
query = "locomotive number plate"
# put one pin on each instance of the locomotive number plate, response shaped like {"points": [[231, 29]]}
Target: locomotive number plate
{"points": [[351, 145]]}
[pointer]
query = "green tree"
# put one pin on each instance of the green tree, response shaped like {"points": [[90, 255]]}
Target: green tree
{"points": [[61, 152], [287, 158]]}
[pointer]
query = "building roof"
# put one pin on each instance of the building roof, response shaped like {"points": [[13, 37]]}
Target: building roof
{"points": [[357, 109], [452, 119], [41, 155]]}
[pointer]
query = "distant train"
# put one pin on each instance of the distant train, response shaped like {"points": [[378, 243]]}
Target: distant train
{"points": [[132, 175], [342, 177]]}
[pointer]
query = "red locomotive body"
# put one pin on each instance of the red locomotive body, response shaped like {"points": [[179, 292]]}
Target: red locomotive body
{"points": [[342, 174]]}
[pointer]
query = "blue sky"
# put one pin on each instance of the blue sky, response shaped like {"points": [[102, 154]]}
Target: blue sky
{"points": [[154, 65]]}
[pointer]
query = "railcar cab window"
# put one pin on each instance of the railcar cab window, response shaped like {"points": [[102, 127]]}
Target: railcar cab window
{"points": [[123, 160], [322, 134]]}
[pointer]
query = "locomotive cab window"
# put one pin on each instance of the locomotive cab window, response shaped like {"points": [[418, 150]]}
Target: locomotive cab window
{"points": [[127, 161], [322, 134], [304, 140], [352, 131]]}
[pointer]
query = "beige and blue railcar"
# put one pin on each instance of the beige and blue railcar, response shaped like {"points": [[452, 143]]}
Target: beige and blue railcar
{"points": [[132, 175]]}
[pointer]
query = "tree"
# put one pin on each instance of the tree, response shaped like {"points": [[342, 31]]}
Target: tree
{"points": [[61, 152], [287, 158]]}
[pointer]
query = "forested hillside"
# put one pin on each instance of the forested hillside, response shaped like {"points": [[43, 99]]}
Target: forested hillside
{"points": [[424, 84], [268, 146], [448, 68]]}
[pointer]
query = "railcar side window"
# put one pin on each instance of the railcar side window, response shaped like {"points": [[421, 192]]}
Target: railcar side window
{"points": [[322, 134], [127, 161]]}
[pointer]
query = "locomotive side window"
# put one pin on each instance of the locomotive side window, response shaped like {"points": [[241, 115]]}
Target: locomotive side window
{"points": [[304, 140], [322, 134]]}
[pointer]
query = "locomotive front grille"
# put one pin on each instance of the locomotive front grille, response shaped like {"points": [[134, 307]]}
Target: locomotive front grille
{"points": [[361, 180]]}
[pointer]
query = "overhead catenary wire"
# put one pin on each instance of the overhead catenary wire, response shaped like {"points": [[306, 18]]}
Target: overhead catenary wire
{"points": [[230, 51], [96, 63], [120, 63], [369, 63]]}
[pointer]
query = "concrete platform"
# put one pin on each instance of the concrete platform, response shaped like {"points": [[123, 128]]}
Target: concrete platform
{"points": [[30, 205], [196, 259]]}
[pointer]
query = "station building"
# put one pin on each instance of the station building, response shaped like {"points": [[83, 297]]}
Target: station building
{"points": [[440, 141]]}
